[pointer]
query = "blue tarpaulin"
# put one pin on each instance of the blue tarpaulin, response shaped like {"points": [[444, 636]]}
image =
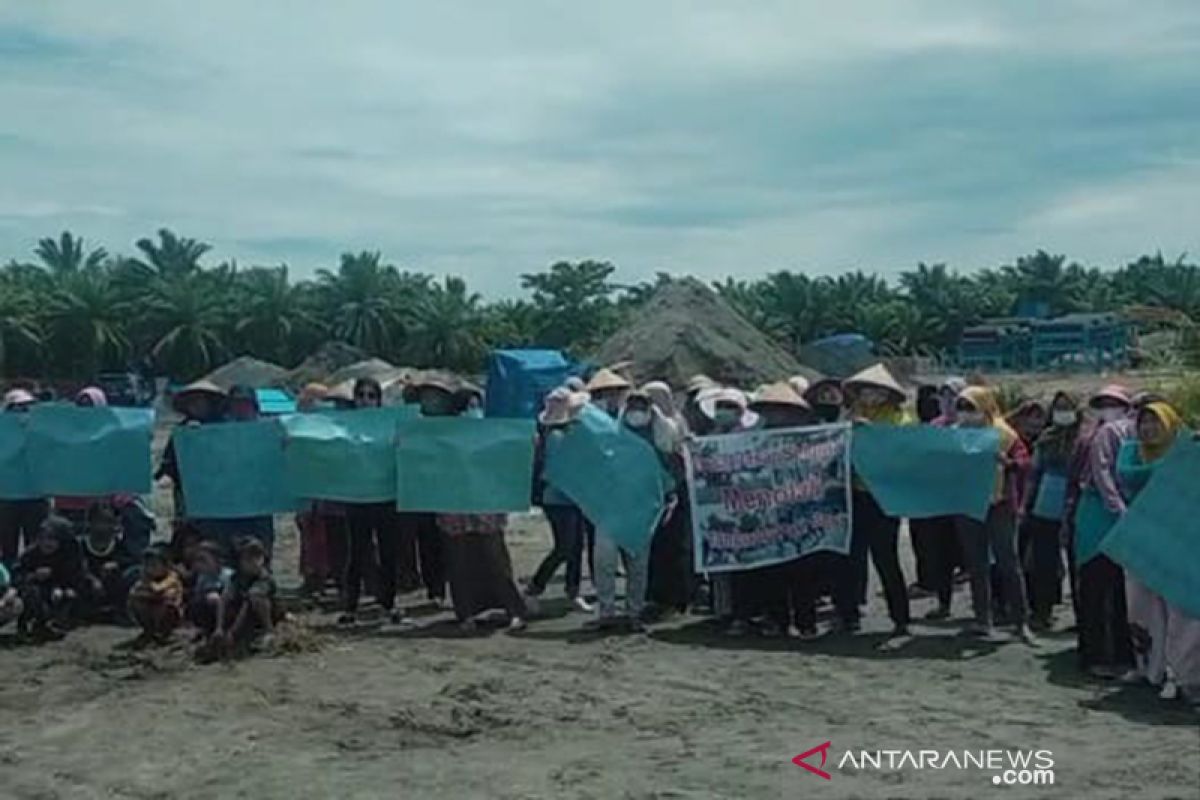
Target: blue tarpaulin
{"points": [[275, 402], [518, 380]]}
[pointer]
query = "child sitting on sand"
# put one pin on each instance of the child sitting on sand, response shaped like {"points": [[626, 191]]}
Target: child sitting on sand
{"points": [[156, 600], [250, 608], [206, 602], [10, 601], [108, 566], [48, 576]]}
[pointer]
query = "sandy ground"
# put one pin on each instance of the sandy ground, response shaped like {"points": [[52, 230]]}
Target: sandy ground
{"points": [[560, 713]]}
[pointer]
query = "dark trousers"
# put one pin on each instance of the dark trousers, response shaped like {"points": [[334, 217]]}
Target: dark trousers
{"points": [[19, 524], [810, 577], [982, 540], [669, 584], [1041, 558], [875, 533], [566, 526], [421, 554], [1103, 624], [589, 548], [942, 553], [41, 606], [372, 531], [337, 545]]}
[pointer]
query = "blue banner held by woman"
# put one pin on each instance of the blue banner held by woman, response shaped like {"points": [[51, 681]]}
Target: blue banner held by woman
{"points": [[90, 452]]}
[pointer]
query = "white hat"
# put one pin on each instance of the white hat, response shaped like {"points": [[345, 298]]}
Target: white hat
{"points": [[709, 398], [562, 406]]}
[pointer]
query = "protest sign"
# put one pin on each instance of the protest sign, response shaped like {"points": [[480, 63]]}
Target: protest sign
{"points": [[15, 481], [233, 470], [612, 474], [769, 496], [1156, 538], [89, 452], [462, 465], [923, 471], [343, 455]]}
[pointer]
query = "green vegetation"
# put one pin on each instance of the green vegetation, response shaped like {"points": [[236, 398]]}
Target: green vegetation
{"points": [[73, 310]]}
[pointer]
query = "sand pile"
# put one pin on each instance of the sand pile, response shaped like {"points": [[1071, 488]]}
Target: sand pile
{"points": [[327, 360], [248, 371], [685, 329], [376, 368]]}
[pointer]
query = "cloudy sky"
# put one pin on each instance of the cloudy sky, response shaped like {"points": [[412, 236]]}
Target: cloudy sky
{"points": [[487, 139]]}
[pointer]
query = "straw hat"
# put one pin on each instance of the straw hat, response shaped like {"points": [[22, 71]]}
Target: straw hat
{"points": [[878, 377], [198, 389], [18, 397], [799, 384], [1113, 391], [698, 383], [562, 406], [607, 379], [778, 394], [433, 382], [710, 398]]}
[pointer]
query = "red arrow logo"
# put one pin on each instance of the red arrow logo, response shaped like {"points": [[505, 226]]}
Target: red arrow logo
{"points": [[823, 749]]}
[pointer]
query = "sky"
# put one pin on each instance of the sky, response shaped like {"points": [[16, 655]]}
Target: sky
{"points": [[712, 138]]}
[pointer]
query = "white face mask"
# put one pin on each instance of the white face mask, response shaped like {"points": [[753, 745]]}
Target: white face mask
{"points": [[637, 419], [1063, 419], [1112, 414], [972, 419]]}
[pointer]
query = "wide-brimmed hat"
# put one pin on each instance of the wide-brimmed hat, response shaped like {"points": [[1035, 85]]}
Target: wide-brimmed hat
{"points": [[799, 384], [878, 377], [562, 406], [698, 383], [1114, 391], [433, 382], [18, 397], [607, 379], [778, 394], [815, 387], [197, 389], [710, 398]]}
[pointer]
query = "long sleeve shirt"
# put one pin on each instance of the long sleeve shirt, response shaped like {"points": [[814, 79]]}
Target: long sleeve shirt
{"points": [[1100, 466]]}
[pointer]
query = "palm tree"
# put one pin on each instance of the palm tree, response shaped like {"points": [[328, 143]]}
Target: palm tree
{"points": [[362, 299], [188, 315], [67, 254], [511, 323], [447, 328], [172, 256], [272, 313], [20, 334], [1043, 278], [87, 322]]}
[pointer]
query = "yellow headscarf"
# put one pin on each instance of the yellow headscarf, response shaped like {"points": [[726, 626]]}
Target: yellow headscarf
{"points": [[984, 399], [1172, 424]]}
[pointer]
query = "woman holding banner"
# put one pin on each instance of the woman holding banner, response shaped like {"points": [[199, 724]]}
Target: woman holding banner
{"points": [[996, 537], [1166, 640], [20, 520]]}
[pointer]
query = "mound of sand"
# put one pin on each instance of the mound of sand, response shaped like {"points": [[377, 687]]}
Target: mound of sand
{"points": [[248, 371], [686, 328], [326, 361], [376, 368]]}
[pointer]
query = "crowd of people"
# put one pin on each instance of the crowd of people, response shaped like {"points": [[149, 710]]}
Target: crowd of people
{"points": [[1066, 471]]}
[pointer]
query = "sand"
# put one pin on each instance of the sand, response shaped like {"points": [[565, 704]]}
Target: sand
{"points": [[557, 712]]}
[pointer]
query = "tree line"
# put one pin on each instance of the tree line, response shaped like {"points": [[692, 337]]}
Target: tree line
{"points": [[69, 310]]}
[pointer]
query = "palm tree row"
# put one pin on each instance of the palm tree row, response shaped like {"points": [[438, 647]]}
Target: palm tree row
{"points": [[73, 311]]}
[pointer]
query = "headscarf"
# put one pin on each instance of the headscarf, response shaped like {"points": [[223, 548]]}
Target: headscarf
{"points": [[984, 399], [668, 424], [93, 393], [1057, 443], [1172, 425]]}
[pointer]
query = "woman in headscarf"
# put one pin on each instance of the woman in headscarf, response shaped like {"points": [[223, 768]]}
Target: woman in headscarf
{"points": [[1166, 640], [669, 587], [75, 508], [323, 536], [997, 536], [1045, 505], [20, 520], [826, 398], [1105, 648], [875, 398]]}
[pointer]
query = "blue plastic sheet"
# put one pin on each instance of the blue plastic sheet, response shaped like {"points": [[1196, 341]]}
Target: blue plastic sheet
{"points": [[1156, 539], [90, 452], [233, 470], [15, 480], [518, 380], [922, 471], [613, 475], [343, 455], [467, 466]]}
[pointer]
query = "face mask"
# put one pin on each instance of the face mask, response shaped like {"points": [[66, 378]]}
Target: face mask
{"points": [[1112, 414], [1063, 419], [727, 417], [972, 419], [637, 419], [828, 412]]}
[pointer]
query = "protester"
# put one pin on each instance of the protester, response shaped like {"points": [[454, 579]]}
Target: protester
{"points": [[1028, 421], [826, 398], [1045, 506], [561, 408], [109, 569], [669, 583], [996, 537], [75, 508], [874, 397], [373, 530], [241, 406], [322, 524], [249, 611], [1105, 648], [48, 576], [10, 599], [1166, 639], [697, 422], [156, 600], [608, 391], [199, 403], [20, 520]]}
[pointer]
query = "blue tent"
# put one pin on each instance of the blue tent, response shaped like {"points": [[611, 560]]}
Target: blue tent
{"points": [[518, 380]]}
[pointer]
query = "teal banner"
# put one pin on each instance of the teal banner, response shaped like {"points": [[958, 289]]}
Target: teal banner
{"points": [[90, 452], [343, 455], [15, 481], [612, 474], [233, 470], [922, 471], [461, 465], [1156, 539]]}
